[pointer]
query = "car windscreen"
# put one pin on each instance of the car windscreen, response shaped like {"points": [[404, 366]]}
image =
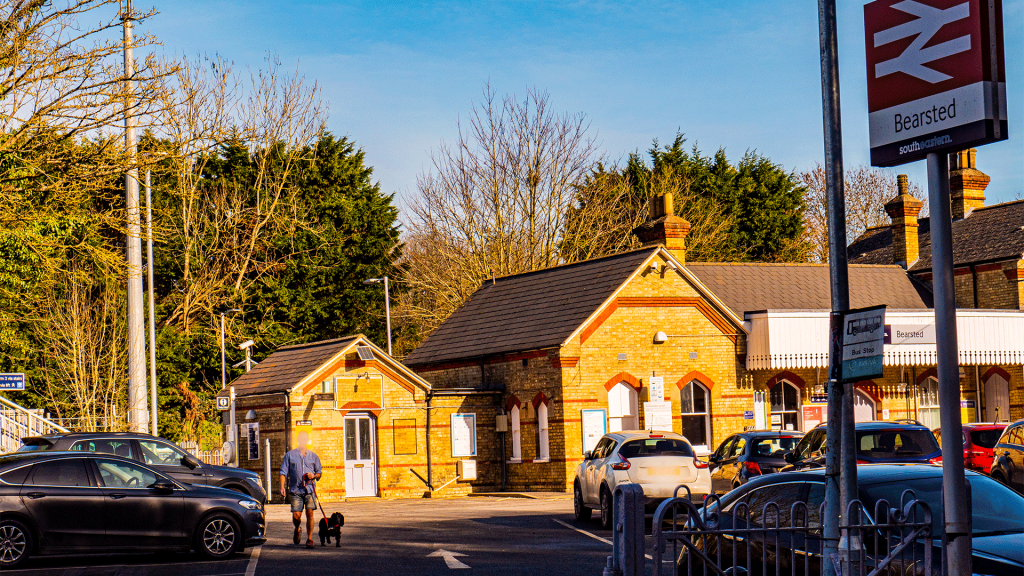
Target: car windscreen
{"points": [[650, 447], [995, 507], [895, 443], [986, 438], [774, 447]]}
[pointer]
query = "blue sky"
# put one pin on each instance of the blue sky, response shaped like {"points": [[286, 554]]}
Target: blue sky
{"points": [[734, 74]]}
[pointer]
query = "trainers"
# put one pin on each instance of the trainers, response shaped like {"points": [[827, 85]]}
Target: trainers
{"points": [[295, 538], [309, 543]]}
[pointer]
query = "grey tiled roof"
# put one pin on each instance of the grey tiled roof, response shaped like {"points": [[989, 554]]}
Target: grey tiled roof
{"points": [[988, 234], [528, 311], [287, 366], [754, 287]]}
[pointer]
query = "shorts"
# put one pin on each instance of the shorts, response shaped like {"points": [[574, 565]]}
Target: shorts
{"points": [[300, 501]]}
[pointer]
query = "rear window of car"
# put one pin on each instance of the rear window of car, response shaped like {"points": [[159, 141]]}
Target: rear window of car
{"points": [[986, 438], [895, 443], [649, 447], [774, 447]]}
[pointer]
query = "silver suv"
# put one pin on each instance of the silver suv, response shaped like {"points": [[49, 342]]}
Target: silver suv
{"points": [[657, 461]]}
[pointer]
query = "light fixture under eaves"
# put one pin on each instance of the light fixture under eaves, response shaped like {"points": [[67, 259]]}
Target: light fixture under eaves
{"points": [[660, 337]]}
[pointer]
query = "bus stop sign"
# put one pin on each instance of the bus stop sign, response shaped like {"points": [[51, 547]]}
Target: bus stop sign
{"points": [[863, 339]]}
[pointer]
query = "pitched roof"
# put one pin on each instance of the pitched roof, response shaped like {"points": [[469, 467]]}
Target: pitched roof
{"points": [[528, 311], [288, 366], [988, 234], [753, 287]]}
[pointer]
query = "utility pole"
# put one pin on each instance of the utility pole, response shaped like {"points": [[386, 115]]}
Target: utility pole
{"points": [[840, 463], [387, 303], [138, 415], [955, 500], [152, 306]]}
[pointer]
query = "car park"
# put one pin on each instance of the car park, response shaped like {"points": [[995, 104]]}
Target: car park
{"points": [[84, 503], [659, 462], [997, 521], [160, 454], [979, 440], [747, 455], [877, 443], [1008, 457]]}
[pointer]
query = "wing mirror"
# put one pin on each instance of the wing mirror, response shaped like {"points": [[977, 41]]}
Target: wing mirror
{"points": [[790, 457], [191, 461], [588, 455], [712, 458], [162, 486]]}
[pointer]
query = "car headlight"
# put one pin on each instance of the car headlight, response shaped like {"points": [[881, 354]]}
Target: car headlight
{"points": [[254, 481], [250, 504]]}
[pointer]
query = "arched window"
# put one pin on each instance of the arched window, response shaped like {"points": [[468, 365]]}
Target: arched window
{"points": [[695, 408], [928, 403], [785, 404], [517, 437], [863, 407], [543, 448], [622, 408]]}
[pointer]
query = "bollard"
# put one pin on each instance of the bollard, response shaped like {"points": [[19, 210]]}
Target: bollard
{"points": [[628, 529]]}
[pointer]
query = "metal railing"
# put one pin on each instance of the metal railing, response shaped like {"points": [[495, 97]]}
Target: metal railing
{"points": [[762, 539], [17, 422]]}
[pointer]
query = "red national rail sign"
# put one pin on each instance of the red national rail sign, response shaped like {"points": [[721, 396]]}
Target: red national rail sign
{"points": [[935, 77]]}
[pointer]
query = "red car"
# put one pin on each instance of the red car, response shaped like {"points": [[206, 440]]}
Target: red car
{"points": [[979, 440]]}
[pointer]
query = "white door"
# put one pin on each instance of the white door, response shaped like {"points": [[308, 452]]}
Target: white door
{"points": [[863, 407], [623, 408], [997, 399], [360, 456]]}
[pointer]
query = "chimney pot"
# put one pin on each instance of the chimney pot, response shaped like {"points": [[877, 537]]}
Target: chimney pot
{"points": [[903, 209], [966, 183], [663, 227]]}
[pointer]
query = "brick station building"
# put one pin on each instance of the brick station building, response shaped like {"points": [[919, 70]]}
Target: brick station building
{"points": [[533, 368]]}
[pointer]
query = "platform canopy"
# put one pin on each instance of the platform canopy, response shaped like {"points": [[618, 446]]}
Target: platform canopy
{"points": [[786, 339]]}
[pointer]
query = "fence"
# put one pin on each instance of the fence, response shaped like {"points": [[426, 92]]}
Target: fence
{"points": [[17, 422], [741, 539], [212, 457]]}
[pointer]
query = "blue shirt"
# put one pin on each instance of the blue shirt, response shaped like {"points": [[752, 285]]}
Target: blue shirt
{"points": [[295, 466]]}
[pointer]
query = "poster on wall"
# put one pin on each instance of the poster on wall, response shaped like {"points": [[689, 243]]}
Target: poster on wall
{"points": [[760, 414], [594, 427], [463, 435], [656, 388], [658, 416], [251, 438], [814, 414]]}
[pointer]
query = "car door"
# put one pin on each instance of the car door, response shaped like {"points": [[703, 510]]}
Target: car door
{"points": [[732, 468], [66, 506], [770, 549], [718, 485], [1015, 459], [170, 460], [139, 516], [591, 489]]}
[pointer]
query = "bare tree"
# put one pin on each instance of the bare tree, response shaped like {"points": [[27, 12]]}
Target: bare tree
{"points": [[495, 202], [867, 191]]}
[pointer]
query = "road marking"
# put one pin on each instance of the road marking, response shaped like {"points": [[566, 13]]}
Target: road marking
{"points": [[449, 558], [254, 557], [594, 536]]}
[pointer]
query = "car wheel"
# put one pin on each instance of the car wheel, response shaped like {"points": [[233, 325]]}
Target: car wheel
{"points": [[998, 477], [15, 543], [606, 509], [579, 508], [218, 536]]}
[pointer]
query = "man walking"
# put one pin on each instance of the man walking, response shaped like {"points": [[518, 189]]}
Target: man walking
{"points": [[300, 471]]}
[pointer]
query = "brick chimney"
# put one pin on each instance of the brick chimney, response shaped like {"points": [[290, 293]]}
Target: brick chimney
{"points": [[903, 209], [663, 227], [966, 183]]}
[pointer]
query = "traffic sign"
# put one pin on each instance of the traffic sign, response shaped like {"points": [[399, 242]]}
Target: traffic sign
{"points": [[863, 338], [936, 79], [12, 381]]}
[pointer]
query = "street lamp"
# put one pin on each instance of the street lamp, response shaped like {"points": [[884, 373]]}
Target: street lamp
{"points": [[232, 435], [387, 303]]}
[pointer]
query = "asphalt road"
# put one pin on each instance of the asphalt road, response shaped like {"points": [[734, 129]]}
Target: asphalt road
{"points": [[488, 535]]}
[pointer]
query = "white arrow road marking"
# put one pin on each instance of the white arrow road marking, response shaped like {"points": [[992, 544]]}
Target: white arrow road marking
{"points": [[913, 59], [449, 558]]}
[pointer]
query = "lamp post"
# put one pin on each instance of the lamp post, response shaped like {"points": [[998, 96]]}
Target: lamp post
{"points": [[232, 435], [387, 303]]}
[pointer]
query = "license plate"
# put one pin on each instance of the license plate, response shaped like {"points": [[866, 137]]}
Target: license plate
{"points": [[663, 471]]}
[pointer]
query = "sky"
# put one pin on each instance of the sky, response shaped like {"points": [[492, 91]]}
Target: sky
{"points": [[740, 75]]}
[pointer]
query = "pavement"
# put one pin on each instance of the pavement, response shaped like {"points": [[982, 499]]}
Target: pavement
{"points": [[499, 535]]}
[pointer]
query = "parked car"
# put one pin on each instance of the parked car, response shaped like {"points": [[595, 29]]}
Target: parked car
{"points": [[997, 521], [87, 502], [747, 455], [1008, 457], [979, 440], [657, 461], [877, 443], [163, 455]]}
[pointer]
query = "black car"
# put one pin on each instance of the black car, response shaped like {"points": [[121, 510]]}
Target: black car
{"points": [[84, 502], [747, 455], [997, 519], [163, 455], [877, 443], [1008, 457]]}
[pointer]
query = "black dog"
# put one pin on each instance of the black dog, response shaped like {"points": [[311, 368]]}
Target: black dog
{"points": [[331, 527]]}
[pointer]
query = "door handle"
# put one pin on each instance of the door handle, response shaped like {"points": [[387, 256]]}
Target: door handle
{"points": [[36, 495], [117, 496]]}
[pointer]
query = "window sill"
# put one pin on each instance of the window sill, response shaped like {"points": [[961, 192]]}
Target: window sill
{"points": [[514, 461], [542, 460]]}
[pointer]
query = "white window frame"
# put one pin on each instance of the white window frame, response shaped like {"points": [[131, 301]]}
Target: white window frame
{"points": [[543, 446], [706, 414], [470, 420], [797, 412], [933, 409], [620, 411], [517, 435]]}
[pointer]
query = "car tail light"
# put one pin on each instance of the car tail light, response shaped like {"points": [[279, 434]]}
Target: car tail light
{"points": [[622, 464], [699, 464], [936, 460], [752, 467], [655, 435], [859, 461]]}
